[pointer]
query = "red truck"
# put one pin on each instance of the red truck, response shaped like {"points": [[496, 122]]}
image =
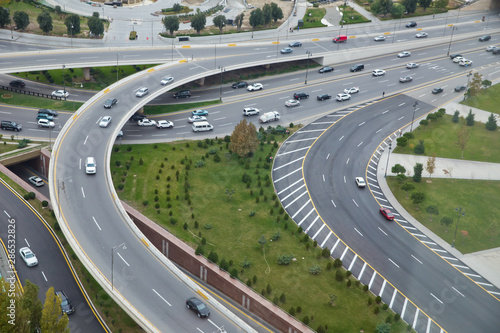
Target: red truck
{"points": [[340, 39]]}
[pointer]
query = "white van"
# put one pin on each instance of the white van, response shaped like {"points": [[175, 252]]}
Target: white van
{"points": [[90, 166], [202, 126]]}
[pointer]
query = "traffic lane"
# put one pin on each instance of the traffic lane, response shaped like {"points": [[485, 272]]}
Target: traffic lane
{"points": [[52, 269], [25, 171]]}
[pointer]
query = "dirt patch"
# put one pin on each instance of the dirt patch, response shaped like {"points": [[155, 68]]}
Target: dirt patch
{"points": [[482, 5]]}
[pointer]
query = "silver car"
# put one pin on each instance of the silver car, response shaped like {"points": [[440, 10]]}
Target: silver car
{"points": [[105, 121]]}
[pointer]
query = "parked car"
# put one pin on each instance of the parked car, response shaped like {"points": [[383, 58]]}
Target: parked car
{"points": [[295, 44], [199, 112], [50, 112], [437, 90], [166, 80], [17, 84], [325, 69], [110, 102], [44, 116], [404, 79], [11, 125], [322, 97], [343, 97], [105, 121], [146, 122], [45, 123], [300, 95], [404, 54], [360, 182], [35, 180], [292, 102], [240, 84], [460, 88], [387, 214], [66, 305], [142, 92], [484, 38], [60, 93], [196, 118], [421, 35], [136, 117], [352, 90], [255, 86], [286, 50], [357, 68], [198, 307], [379, 38], [411, 24], [378, 72], [182, 94], [29, 257], [411, 65], [164, 124]]}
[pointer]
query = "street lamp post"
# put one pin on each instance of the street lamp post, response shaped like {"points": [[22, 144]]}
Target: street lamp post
{"points": [[307, 69], [449, 46], [113, 249], [71, 39], [413, 117], [468, 77], [459, 210], [64, 84], [387, 165], [220, 90]]}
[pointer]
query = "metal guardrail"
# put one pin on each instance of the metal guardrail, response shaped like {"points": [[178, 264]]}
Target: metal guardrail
{"points": [[32, 93]]}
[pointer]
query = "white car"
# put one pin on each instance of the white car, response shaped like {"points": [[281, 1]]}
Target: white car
{"points": [[378, 72], [352, 90], [146, 122], [465, 62], [105, 121], [255, 86], [166, 80], [490, 48], [360, 182], [458, 59], [35, 180], [379, 38], [60, 93], [411, 65], [422, 35], [343, 97], [45, 123], [292, 102], [142, 91], [251, 111], [164, 124], [404, 54], [196, 118], [28, 256]]}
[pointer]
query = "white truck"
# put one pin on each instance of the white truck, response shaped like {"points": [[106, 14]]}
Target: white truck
{"points": [[269, 116]]}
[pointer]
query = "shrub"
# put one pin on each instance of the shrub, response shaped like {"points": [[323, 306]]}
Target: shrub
{"points": [[199, 250], [337, 263], [213, 257], [378, 299], [385, 306], [315, 270], [365, 287], [292, 311], [285, 259], [370, 301], [376, 310], [145, 203], [305, 320], [455, 117], [397, 316], [234, 273], [45, 203], [339, 276]]}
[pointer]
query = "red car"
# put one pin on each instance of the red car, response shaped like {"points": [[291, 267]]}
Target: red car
{"points": [[387, 214]]}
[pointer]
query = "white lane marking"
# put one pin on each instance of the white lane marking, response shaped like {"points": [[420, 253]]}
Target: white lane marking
{"points": [[393, 262], [303, 185], [317, 232], [362, 271], [27, 243], [415, 319], [401, 117], [333, 203], [118, 253], [344, 253], [401, 104], [326, 238], [356, 206], [348, 159], [361, 124], [296, 200], [291, 162], [372, 279], [352, 262], [335, 245], [44, 276], [385, 111], [164, 300], [382, 231], [96, 223], [289, 174], [416, 259], [85, 141], [294, 151], [83, 193], [328, 156], [383, 287], [341, 138], [437, 298], [361, 143], [323, 177], [358, 232], [345, 182]]}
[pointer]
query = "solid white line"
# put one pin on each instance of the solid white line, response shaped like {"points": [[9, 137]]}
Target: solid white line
{"points": [[164, 300], [371, 281], [426, 242], [361, 124], [309, 227], [408, 227], [44, 276], [307, 202], [293, 151], [347, 162], [303, 185], [287, 164], [393, 262], [358, 232], [334, 246], [355, 203], [362, 271], [119, 255], [485, 284], [449, 258], [404, 308], [494, 292], [382, 289], [96, 223], [326, 238], [293, 141], [345, 181], [382, 231], [438, 250], [285, 176], [437, 298], [461, 266], [458, 291], [343, 253], [393, 297], [286, 188], [352, 262], [416, 259], [474, 275], [316, 234], [415, 319], [428, 325], [419, 235], [385, 111]]}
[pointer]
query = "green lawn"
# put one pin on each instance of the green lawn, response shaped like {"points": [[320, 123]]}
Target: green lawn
{"points": [[191, 202], [17, 99], [312, 18], [351, 16], [487, 100], [440, 138]]}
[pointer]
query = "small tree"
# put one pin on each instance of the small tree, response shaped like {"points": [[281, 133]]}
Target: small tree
{"points": [[198, 21], [45, 22], [397, 10], [424, 3], [95, 26], [220, 22], [72, 23], [256, 18], [407, 187], [238, 20], [431, 164], [424, 122], [4, 17], [469, 120], [456, 117], [176, 7], [276, 12], [262, 241], [418, 198], [410, 5], [420, 148], [486, 84], [475, 85], [491, 124], [398, 168], [229, 193], [417, 172], [244, 139], [446, 221], [21, 19], [267, 12], [171, 23], [402, 141], [51, 320], [462, 139], [432, 210]]}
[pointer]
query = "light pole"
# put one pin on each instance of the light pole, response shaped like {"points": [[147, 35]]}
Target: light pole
{"points": [[459, 210], [413, 117], [113, 249], [220, 91], [117, 67], [449, 46], [307, 69], [215, 62], [71, 39], [103, 13], [173, 48], [64, 85], [468, 77], [387, 165]]}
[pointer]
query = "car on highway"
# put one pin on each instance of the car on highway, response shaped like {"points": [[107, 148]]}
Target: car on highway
{"points": [[300, 95], [378, 72], [458, 59], [460, 88], [11, 125], [411, 24], [325, 69], [90, 166], [45, 123], [322, 97], [105, 121], [484, 38], [166, 80], [404, 79], [28, 256], [142, 92], [465, 62], [53, 113], [387, 214], [437, 90], [199, 112], [17, 84], [136, 117], [286, 50], [255, 86], [250, 111], [360, 182], [146, 122], [357, 68], [182, 94], [35, 180], [60, 93], [66, 305], [404, 54], [495, 50], [342, 97], [110, 102], [196, 118], [44, 116], [490, 48], [421, 35], [454, 55], [411, 65], [351, 90], [295, 44], [198, 307], [240, 84], [292, 102], [164, 124], [379, 38]]}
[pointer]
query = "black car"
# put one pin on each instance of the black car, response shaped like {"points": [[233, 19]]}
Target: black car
{"points": [[357, 68], [495, 50], [411, 24], [454, 55], [295, 44], [50, 112], [136, 117], [300, 95], [325, 69], [460, 88], [241, 84], [198, 307], [66, 305], [322, 97], [110, 102], [484, 38], [437, 90], [11, 126], [182, 94], [17, 84]]}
